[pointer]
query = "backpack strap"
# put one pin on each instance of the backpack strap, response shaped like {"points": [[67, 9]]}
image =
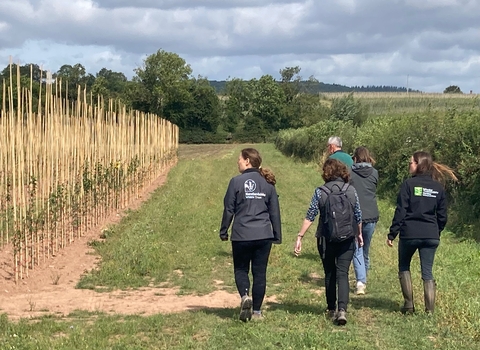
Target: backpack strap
{"points": [[325, 189], [345, 186]]}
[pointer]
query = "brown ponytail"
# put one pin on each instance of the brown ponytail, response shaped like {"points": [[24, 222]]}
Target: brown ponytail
{"points": [[426, 165], [256, 162]]}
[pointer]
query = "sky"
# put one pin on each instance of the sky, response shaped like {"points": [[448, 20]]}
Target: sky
{"points": [[420, 44]]}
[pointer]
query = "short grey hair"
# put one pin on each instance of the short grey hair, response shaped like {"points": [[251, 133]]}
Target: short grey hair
{"points": [[336, 141]]}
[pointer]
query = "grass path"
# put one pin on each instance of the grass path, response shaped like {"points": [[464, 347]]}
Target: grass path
{"points": [[174, 238]]}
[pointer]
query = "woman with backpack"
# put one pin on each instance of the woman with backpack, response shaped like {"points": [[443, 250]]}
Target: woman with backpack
{"points": [[335, 246], [364, 177], [251, 202], [419, 218]]}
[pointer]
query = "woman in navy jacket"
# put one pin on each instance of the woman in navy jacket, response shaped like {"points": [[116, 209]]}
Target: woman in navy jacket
{"points": [[252, 203], [420, 217]]}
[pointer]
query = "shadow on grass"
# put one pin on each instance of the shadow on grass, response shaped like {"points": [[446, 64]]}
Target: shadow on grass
{"points": [[224, 313], [224, 254], [297, 307], [374, 303], [312, 279], [309, 256]]}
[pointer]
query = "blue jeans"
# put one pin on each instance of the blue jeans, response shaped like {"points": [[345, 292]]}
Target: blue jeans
{"points": [[426, 250], [361, 259]]}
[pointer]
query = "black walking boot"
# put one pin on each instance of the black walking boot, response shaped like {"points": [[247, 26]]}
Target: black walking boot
{"points": [[407, 291], [429, 294]]}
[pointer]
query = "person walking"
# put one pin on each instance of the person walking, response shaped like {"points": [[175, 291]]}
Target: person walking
{"points": [[334, 149], [251, 201], [336, 256], [420, 217], [364, 177]]}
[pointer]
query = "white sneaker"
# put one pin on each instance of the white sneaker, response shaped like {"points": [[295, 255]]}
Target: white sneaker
{"points": [[360, 288]]}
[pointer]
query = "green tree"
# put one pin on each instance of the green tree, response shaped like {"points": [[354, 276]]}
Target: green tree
{"points": [[72, 77], [348, 108], [268, 103], [30, 76], [452, 89], [237, 103], [165, 79], [204, 110], [114, 82]]}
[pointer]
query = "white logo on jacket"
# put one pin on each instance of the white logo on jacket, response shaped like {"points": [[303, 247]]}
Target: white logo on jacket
{"points": [[250, 186]]}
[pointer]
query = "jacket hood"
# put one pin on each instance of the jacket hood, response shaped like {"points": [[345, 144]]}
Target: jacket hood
{"points": [[362, 169]]}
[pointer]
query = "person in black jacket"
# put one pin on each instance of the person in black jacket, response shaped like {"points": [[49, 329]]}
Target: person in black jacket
{"points": [[419, 218], [252, 203], [364, 177], [336, 256]]}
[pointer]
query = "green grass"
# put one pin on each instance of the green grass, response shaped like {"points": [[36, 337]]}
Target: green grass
{"points": [[177, 229]]}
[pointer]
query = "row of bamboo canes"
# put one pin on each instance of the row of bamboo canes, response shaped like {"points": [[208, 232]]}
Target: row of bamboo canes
{"points": [[68, 166]]}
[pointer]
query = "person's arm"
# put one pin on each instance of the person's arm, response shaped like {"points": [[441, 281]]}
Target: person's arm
{"points": [[441, 212], [312, 212], [228, 210], [400, 211], [358, 219], [274, 212]]}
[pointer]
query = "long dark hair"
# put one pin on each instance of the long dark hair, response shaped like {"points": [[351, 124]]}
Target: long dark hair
{"points": [[362, 155], [426, 166], [256, 161]]}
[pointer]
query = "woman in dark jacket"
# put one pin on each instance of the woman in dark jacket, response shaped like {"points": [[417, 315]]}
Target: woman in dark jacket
{"points": [[252, 203], [364, 177], [420, 217], [336, 256]]}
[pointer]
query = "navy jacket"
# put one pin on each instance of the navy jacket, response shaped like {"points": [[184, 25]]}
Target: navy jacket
{"points": [[421, 209], [252, 203]]}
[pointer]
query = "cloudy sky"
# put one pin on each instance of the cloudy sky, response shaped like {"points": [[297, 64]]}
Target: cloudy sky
{"points": [[429, 44]]}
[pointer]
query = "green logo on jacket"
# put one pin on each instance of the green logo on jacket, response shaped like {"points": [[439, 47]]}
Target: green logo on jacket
{"points": [[418, 191]]}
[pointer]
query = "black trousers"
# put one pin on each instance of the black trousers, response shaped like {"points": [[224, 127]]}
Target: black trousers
{"points": [[336, 263], [254, 253]]}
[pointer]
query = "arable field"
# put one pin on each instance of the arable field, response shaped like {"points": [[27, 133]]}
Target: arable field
{"points": [[171, 244]]}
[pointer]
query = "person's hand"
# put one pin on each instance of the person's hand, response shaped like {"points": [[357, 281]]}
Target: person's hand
{"points": [[389, 243], [298, 246], [360, 240], [224, 238]]}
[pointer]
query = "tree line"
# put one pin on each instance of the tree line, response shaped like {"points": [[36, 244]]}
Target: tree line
{"points": [[246, 111]]}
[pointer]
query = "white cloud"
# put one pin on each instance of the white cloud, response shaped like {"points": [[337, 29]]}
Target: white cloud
{"points": [[350, 42]]}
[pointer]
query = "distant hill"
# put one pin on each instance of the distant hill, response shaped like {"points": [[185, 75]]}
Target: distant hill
{"points": [[314, 88]]}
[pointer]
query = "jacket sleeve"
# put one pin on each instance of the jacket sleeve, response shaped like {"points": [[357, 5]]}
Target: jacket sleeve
{"points": [[228, 209], [400, 211], [274, 212], [441, 212]]}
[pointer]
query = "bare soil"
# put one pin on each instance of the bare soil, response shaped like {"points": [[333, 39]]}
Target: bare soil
{"points": [[50, 288]]}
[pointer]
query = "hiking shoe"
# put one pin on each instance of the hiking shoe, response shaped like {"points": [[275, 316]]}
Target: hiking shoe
{"points": [[246, 308], [257, 316], [341, 317], [330, 314], [360, 288]]}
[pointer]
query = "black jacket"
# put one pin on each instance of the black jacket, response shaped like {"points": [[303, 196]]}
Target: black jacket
{"points": [[421, 209], [252, 203], [364, 177]]}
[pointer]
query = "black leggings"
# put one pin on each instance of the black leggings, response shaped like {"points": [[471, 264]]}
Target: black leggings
{"points": [[256, 252], [336, 264]]}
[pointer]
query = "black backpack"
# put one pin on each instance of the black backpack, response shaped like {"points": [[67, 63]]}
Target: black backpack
{"points": [[338, 219]]}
